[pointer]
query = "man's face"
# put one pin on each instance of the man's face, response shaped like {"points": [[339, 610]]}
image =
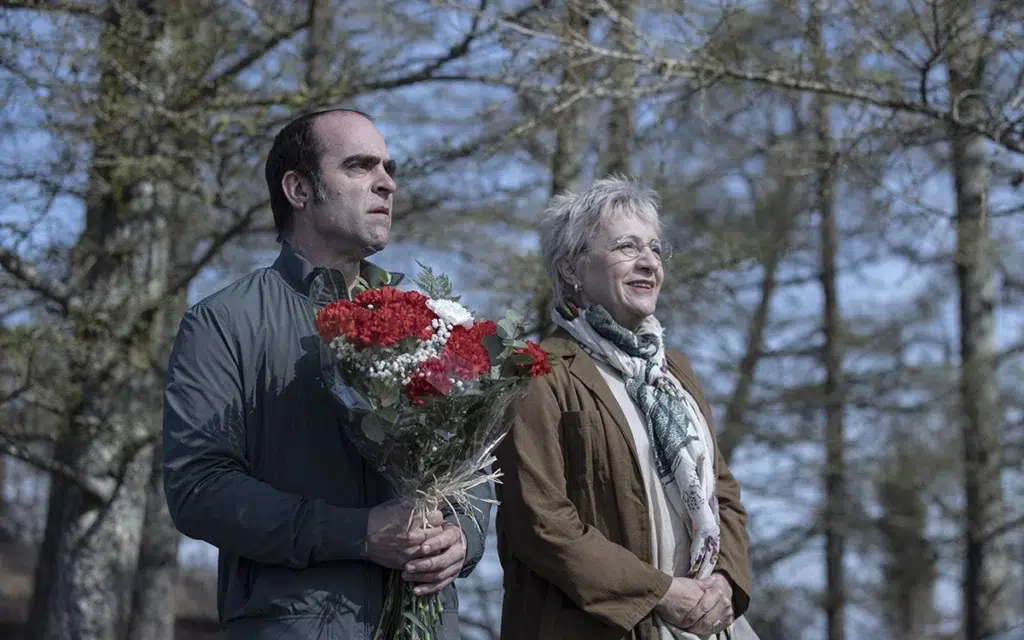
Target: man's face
{"points": [[355, 216]]}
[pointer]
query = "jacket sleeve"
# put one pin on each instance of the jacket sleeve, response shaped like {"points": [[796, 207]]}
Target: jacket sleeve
{"points": [[210, 492], [474, 525], [542, 528], [732, 557]]}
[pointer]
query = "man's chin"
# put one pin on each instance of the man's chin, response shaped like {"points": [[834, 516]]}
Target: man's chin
{"points": [[375, 246]]}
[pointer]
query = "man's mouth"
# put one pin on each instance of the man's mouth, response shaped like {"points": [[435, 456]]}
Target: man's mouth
{"points": [[382, 210]]}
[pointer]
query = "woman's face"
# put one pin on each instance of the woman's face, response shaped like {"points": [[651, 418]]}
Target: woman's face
{"points": [[627, 287]]}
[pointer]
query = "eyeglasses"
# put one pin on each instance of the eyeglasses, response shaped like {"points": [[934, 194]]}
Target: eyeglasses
{"points": [[632, 246]]}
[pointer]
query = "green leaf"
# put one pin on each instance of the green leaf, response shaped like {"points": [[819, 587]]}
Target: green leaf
{"points": [[495, 347], [521, 358], [388, 416], [510, 327], [389, 400], [372, 428], [514, 316], [360, 285], [436, 287], [507, 330]]}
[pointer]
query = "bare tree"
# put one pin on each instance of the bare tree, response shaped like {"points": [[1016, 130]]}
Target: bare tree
{"points": [[618, 156], [835, 519], [986, 561], [910, 560]]}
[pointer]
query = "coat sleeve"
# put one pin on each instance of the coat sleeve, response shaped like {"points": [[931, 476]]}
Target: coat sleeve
{"points": [[542, 528], [210, 492], [732, 557]]}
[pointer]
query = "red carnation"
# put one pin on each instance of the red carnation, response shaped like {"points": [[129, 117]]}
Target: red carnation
{"points": [[335, 319], [465, 353], [430, 378], [539, 366], [377, 318]]}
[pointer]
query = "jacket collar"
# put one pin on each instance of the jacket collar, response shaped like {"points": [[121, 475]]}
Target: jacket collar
{"points": [[305, 278], [561, 344]]}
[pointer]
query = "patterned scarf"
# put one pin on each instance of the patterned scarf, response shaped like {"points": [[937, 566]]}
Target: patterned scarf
{"points": [[681, 458]]}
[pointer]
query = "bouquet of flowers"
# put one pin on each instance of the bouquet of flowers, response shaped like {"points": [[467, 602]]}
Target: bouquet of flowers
{"points": [[428, 390]]}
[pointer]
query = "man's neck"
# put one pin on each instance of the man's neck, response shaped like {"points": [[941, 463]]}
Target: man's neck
{"points": [[319, 255]]}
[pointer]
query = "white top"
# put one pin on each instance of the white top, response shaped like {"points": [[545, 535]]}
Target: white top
{"points": [[670, 542]]}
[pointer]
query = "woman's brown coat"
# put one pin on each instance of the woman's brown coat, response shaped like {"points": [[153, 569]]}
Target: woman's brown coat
{"points": [[573, 528]]}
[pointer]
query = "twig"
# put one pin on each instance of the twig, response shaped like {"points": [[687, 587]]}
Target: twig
{"points": [[54, 290], [95, 489]]}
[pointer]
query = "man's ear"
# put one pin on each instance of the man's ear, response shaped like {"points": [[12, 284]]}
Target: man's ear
{"points": [[295, 189]]}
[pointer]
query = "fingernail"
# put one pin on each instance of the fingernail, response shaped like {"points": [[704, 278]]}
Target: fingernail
{"points": [[426, 548], [410, 567]]}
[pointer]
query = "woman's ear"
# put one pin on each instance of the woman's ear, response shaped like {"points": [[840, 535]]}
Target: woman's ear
{"points": [[567, 272], [295, 189]]}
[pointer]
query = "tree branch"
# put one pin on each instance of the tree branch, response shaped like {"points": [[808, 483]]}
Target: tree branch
{"points": [[210, 88], [95, 489], [53, 290], [57, 6], [662, 69], [237, 228]]}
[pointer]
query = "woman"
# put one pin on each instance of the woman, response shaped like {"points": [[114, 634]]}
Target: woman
{"points": [[618, 516]]}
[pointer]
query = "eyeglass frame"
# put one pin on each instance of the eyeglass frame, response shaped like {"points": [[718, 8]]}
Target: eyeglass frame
{"points": [[663, 253]]}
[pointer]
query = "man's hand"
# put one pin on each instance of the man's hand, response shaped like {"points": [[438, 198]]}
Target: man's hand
{"points": [[680, 599], [441, 561], [392, 541], [714, 611]]}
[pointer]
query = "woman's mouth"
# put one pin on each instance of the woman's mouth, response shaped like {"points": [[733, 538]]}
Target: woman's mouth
{"points": [[642, 286]]}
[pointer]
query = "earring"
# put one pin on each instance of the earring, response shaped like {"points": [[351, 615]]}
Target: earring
{"points": [[576, 288]]}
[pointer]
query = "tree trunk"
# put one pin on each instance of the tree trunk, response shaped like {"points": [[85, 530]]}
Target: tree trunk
{"points": [[8, 527], [780, 213], [832, 355], [154, 602], [910, 563], [92, 543], [985, 560], [58, 513], [154, 598], [619, 153], [566, 161], [317, 44]]}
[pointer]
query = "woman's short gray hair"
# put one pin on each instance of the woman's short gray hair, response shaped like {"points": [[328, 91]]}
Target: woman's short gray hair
{"points": [[572, 220]]}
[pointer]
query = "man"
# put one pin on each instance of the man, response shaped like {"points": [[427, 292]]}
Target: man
{"points": [[255, 462]]}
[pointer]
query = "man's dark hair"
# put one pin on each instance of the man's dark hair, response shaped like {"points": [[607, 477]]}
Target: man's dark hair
{"points": [[296, 148]]}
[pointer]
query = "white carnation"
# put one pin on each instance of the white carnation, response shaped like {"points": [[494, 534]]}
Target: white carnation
{"points": [[451, 312]]}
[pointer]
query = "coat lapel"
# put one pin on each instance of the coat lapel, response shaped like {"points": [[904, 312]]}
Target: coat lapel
{"points": [[584, 370]]}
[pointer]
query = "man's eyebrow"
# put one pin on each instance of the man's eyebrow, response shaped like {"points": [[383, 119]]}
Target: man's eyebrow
{"points": [[367, 160]]}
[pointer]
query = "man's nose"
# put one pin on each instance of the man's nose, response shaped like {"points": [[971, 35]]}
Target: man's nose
{"points": [[385, 185]]}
